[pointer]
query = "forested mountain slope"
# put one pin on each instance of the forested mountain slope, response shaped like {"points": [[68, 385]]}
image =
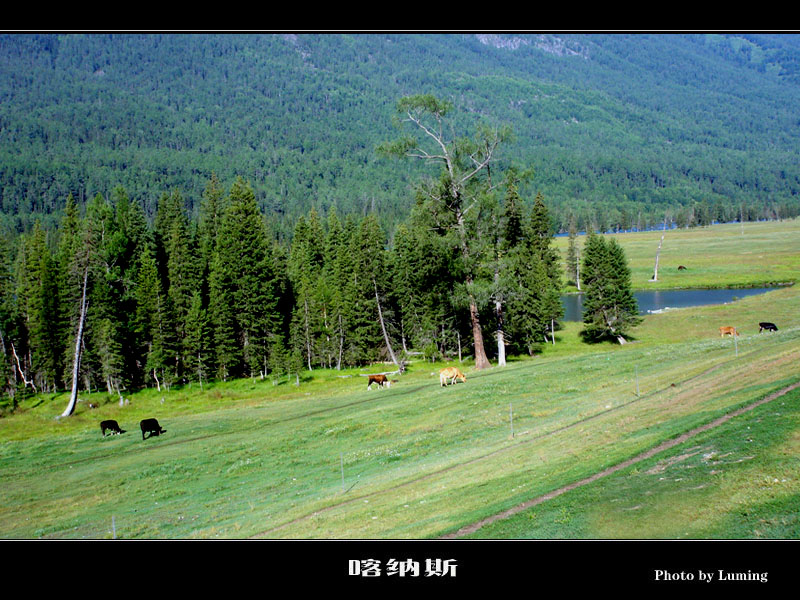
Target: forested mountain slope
{"points": [[620, 129]]}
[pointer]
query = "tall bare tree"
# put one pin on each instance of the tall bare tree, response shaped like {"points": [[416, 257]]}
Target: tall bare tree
{"points": [[464, 177]]}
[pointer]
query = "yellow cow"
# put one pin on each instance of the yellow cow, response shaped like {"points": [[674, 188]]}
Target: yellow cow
{"points": [[452, 374]]}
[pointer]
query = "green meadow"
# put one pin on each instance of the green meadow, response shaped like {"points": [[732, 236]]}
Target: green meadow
{"points": [[731, 255], [331, 459]]}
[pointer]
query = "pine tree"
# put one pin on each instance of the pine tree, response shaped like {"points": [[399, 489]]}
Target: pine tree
{"points": [[152, 322], [338, 271], [305, 269], [37, 352], [133, 236], [572, 267], [8, 327], [243, 291], [530, 277], [196, 342], [426, 270], [376, 278], [180, 268], [609, 308]]}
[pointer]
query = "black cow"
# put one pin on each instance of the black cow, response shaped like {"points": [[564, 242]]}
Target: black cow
{"points": [[681, 268], [112, 426], [152, 427], [767, 326]]}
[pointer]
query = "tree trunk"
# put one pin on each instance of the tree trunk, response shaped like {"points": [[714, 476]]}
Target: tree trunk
{"points": [[501, 341], [383, 328], [25, 381], [308, 334], [658, 252], [341, 344], [481, 362], [76, 366]]}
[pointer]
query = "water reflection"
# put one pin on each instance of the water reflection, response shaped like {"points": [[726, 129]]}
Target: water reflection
{"points": [[659, 300]]}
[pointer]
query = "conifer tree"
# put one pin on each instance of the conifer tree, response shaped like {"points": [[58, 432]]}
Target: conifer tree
{"points": [[572, 266], [68, 246], [180, 269], [305, 268], [103, 358], [338, 271], [8, 326], [211, 210], [37, 352], [372, 266], [152, 322], [426, 269], [243, 291], [609, 309], [196, 342], [133, 237], [89, 268]]}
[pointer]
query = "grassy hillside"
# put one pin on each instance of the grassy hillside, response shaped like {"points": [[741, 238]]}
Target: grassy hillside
{"points": [[329, 459]]}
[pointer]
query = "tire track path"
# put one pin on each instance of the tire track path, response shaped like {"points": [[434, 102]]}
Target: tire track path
{"points": [[609, 471], [484, 456]]}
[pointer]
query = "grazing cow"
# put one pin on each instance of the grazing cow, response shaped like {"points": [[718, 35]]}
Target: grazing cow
{"points": [[381, 380], [766, 325], [152, 427], [451, 373], [92, 405], [681, 268], [731, 331], [112, 426]]}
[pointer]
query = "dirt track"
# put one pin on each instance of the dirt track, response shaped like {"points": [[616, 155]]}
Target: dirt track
{"points": [[643, 456], [471, 528]]}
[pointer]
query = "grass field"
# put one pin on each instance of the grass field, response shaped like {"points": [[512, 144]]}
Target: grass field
{"points": [[730, 255], [329, 459]]}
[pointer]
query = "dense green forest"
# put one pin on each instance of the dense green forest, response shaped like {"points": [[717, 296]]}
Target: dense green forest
{"points": [[621, 130], [191, 207], [108, 302]]}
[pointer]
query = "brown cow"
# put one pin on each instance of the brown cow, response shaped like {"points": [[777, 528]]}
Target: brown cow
{"points": [[381, 380], [731, 331], [451, 373]]}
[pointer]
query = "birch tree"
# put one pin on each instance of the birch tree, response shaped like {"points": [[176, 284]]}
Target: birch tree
{"points": [[452, 199]]}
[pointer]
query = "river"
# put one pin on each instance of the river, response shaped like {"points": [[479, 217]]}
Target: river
{"points": [[658, 300]]}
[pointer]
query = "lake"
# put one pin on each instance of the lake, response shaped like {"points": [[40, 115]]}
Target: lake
{"points": [[659, 300]]}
